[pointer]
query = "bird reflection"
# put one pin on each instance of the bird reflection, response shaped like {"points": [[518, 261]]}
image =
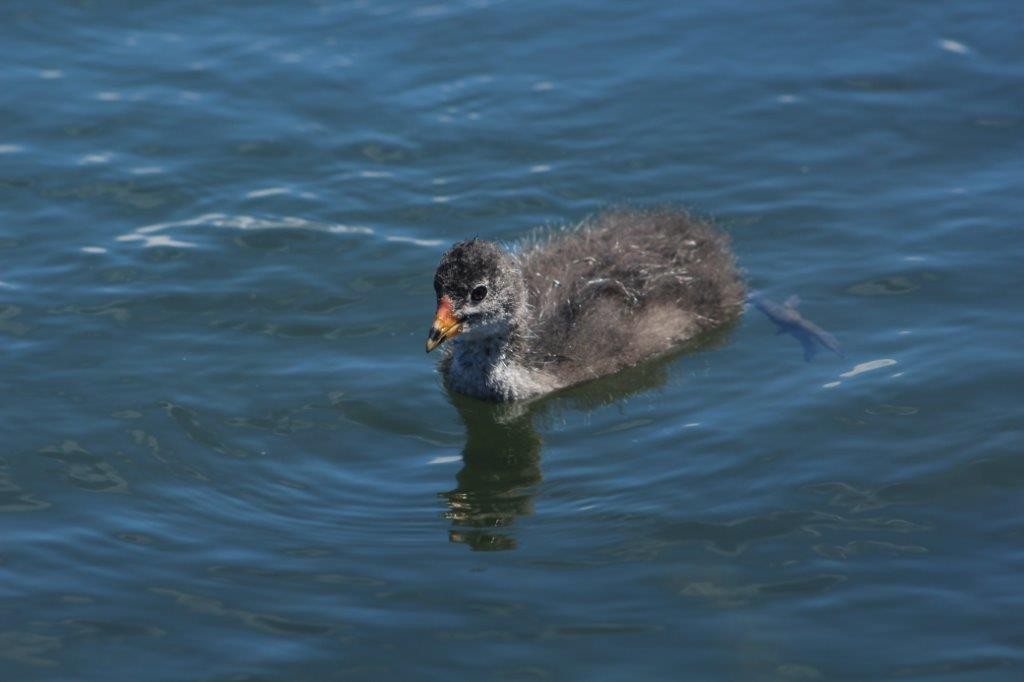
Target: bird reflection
{"points": [[501, 464], [501, 458]]}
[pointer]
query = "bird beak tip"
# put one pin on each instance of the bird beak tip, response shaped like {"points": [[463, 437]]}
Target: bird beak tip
{"points": [[445, 325]]}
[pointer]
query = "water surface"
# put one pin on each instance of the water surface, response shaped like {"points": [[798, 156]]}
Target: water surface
{"points": [[225, 455]]}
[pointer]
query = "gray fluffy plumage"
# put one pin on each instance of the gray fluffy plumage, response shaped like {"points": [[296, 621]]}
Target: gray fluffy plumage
{"points": [[583, 302]]}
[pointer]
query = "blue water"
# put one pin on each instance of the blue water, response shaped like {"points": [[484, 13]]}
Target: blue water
{"points": [[226, 456]]}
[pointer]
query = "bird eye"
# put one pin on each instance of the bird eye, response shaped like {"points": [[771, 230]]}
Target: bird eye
{"points": [[478, 294]]}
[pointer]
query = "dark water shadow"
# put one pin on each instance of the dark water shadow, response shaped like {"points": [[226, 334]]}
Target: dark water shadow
{"points": [[502, 455], [501, 464]]}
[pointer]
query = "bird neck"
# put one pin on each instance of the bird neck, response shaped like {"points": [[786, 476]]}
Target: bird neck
{"points": [[490, 367], [503, 344]]}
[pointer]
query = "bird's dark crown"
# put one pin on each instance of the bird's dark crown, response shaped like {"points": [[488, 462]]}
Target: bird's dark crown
{"points": [[465, 264]]}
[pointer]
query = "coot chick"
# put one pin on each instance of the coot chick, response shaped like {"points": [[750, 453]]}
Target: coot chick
{"points": [[579, 303]]}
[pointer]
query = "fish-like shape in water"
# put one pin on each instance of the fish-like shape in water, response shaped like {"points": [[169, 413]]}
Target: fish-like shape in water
{"points": [[789, 321]]}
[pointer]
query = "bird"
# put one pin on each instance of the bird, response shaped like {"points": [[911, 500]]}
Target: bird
{"points": [[578, 303]]}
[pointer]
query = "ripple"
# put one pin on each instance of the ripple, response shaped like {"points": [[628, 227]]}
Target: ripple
{"points": [[135, 538], [95, 159], [84, 469], [445, 459], [892, 285], [259, 621], [602, 629], [892, 410], [734, 596], [12, 498], [867, 547], [28, 648], [869, 366], [414, 240], [268, 192], [150, 237], [797, 671], [953, 46], [188, 421]]}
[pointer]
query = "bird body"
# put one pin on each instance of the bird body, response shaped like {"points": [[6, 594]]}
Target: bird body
{"points": [[580, 303]]}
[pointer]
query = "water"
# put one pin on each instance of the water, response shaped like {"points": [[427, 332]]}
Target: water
{"points": [[227, 457]]}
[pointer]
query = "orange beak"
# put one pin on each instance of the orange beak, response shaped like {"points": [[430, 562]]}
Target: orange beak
{"points": [[445, 325]]}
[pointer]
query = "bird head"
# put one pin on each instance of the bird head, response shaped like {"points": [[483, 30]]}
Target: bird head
{"points": [[479, 292]]}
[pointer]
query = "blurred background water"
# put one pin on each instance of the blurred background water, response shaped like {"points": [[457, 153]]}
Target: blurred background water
{"points": [[225, 455]]}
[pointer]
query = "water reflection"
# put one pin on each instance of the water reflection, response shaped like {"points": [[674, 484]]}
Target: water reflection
{"points": [[501, 458], [501, 463]]}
